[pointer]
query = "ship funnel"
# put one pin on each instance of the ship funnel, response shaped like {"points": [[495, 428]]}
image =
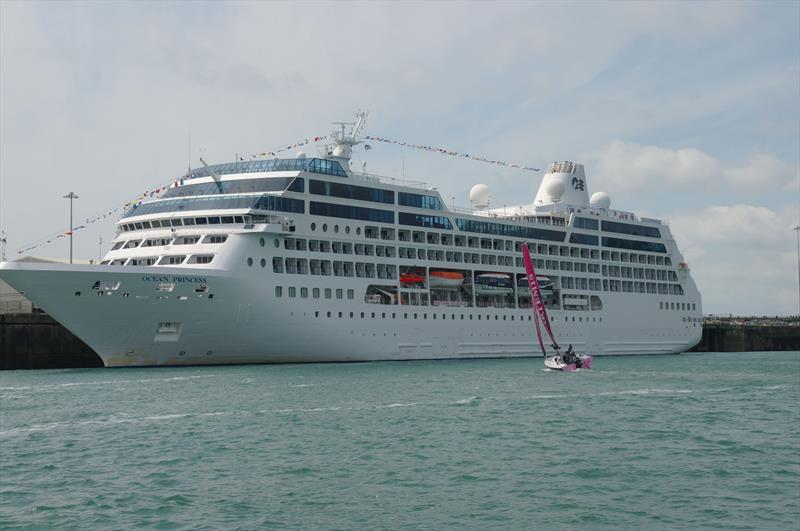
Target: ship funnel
{"points": [[564, 183]]}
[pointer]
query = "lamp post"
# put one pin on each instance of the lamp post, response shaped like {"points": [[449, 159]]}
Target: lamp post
{"points": [[796, 230], [70, 196]]}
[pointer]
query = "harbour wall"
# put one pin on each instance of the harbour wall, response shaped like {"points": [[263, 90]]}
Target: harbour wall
{"points": [[36, 341], [724, 337]]}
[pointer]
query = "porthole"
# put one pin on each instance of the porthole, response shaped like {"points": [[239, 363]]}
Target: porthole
{"points": [[347, 230], [336, 228], [263, 263], [277, 243], [262, 242], [313, 226], [324, 227], [250, 262], [358, 230]]}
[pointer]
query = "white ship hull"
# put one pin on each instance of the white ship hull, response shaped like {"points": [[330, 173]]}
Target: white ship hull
{"points": [[244, 323]]}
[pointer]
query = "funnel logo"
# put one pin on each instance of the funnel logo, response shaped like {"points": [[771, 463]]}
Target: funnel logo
{"points": [[578, 184]]}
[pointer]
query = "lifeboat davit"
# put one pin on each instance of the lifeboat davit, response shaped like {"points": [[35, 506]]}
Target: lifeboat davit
{"points": [[446, 279]]}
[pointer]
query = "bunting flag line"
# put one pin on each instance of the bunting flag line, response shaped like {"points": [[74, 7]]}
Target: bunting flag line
{"points": [[157, 192], [452, 153], [274, 152], [152, 194]]}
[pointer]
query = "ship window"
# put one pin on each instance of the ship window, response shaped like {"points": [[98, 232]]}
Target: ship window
{"points": [[315, 293], [200, 221], [627, 228], [324, 226], [419, 201], [279, 291], [419, 220], [339, 293], [226, 219], [263, 262], [347, 230], [328, 293], [250, 262], [213, 220], [351, 294], [350, 212], [292, 292], [348, 191], [313, 226], [501, 229], [202, 259], [304, 293]]}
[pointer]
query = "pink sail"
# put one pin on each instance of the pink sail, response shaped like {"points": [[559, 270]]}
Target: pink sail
{"points": [[536, 296]]}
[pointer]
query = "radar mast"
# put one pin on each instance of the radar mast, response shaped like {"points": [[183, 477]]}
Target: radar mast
{"points": [[343, 141]]}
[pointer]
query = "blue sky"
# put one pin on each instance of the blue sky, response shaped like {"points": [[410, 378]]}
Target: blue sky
{"points": [[688, 112]]}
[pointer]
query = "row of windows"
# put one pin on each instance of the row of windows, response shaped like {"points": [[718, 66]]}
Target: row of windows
{"points": [[682, 306], [176, 259], [302, 266], [301, 244], [418, 220], [627, 228], [326, 167], [630, 286], [265, 202], [246, 219], [485, 227], [240, 186], [160, 242], [349, 191], [636, 245], [351, 212], [315, 293]]}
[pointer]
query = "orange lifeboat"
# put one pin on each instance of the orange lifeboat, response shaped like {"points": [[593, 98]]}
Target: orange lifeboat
{"points": [[411, 278], [446, 279]]}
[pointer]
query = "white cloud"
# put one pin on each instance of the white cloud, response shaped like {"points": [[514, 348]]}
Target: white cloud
{"points": [[629, 167], [743, 257]]}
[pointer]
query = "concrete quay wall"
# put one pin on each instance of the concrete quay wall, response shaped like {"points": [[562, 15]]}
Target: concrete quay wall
{"points": [[37, 341]]}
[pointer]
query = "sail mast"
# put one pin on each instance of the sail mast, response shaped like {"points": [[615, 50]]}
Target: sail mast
{"points": [[539, 310]]}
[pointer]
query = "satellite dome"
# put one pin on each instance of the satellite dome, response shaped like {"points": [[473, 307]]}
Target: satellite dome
{"points": [[301, 154], [555, 188], [480, 196], [600, 200]]}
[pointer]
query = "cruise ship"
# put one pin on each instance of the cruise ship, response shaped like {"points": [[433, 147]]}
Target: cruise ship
{"points": [[306, 259]]}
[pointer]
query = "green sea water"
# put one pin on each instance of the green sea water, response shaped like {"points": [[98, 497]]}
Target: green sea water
{"points": [[706, 441]]}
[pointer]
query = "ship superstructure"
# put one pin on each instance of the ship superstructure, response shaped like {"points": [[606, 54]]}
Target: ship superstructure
{"points": [[305, 259]]}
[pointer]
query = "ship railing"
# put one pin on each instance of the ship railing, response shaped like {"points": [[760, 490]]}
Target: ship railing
{"points": [[390, 180]]}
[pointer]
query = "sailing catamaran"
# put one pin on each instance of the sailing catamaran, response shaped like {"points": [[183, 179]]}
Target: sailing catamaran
{"points": [[565, 362]]}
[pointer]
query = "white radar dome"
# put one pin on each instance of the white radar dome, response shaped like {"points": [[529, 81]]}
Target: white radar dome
{"points": [[600, 200], [555, 188], [301, 155], [480, 196]]}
